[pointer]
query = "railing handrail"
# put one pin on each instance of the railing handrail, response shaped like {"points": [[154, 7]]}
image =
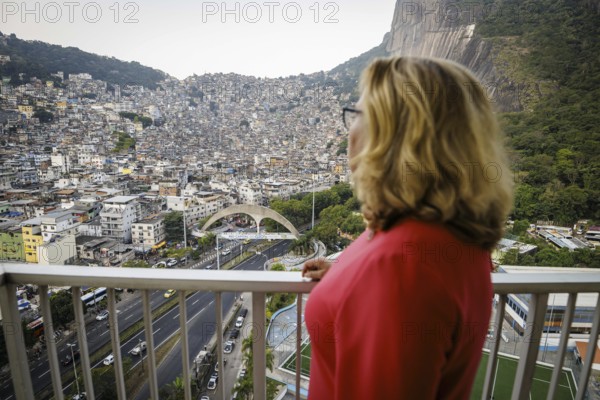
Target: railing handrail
{"points": [[155, 278], [256, 281]]}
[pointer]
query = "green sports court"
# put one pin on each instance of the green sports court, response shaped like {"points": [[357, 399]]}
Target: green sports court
{"points": [[502, 383]]}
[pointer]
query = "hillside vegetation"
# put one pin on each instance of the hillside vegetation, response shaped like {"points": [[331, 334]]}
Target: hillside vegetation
{"points": [[39, 59]]}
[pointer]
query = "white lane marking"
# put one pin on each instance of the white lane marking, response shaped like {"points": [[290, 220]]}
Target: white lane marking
{"points": [[176, 316], [196, 301], [156, 331], [129, 316], [104, 333], [44, 374]]}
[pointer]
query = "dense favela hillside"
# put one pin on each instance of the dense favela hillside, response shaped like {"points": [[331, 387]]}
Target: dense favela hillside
{"points": [[228, 138], [41, 60]]}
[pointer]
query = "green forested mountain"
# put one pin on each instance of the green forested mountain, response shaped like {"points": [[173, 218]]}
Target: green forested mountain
{"points": [[39, 59], [555, 141], [548, 53]]}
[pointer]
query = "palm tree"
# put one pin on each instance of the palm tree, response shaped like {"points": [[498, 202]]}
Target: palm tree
{"points": [[245, 386]]}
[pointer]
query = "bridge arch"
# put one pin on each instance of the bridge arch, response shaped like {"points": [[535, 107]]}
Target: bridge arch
{"points": [[258, 213]]}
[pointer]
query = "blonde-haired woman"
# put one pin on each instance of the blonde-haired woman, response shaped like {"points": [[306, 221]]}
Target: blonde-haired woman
{"points": [[404, 311]]}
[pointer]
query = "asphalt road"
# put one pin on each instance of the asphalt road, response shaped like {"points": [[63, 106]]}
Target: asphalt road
{"points": [[201, 322]]}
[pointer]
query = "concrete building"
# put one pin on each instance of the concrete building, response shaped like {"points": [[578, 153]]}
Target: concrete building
{"points": [[32, 238], [59, 251], [59, 223], [148, 233], [11, 242], [118, 215]]}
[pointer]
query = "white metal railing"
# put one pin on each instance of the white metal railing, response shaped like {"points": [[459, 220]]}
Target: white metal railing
{"points": [[259, 283]]}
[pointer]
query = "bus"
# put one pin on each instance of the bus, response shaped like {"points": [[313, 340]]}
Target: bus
{"points": [[36, 327], [93, 297]]}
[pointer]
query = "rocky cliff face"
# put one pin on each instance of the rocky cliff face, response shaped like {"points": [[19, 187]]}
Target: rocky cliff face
{"points": [[446, 29]]}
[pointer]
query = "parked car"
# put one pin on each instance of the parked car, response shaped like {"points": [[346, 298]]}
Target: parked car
{"points": [[244, 312], [239, 322], [102, 315], [141, 347], [226, 252], [109, 359], [68, 360], [161, 264], [169, 293], [183, 259], [234, 334], [228, 347], [212, 382]]}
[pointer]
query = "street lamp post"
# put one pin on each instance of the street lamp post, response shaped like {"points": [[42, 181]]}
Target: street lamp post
{"points": [[71, 345]]}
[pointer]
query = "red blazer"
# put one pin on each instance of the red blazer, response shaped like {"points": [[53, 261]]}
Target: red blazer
{"points": [[401, 316]]}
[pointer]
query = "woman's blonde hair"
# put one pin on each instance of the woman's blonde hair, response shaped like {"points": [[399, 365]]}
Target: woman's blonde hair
{"points": [[434, 150]]}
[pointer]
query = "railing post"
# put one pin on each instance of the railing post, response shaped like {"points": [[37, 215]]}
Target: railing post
{"points": [[490, 373], [82, 339], [531, 344], [15, 342], [258, 345], [185, 358], [219, 351], [51, 343], [562, 346], [298, 343], [116, 343], [152, 380], [589, 357]]}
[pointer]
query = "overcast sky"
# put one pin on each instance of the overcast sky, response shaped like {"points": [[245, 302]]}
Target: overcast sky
{"points": [[182, 37]]}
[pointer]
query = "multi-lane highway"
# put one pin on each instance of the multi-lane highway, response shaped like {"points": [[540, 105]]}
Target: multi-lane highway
{"points": [[201, 322], [201, 317]]}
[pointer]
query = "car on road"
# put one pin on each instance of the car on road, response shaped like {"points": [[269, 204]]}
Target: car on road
{"points": [[169, 293], [183, 259], [161, 264], [139, 348], [244, 312], [79, 396], [109, 359], [212, 382], [239, 322], [228, 347], [226, 252], [209, 266], [68, 360], [234, 334], [204, 398], [102, 315], [171, 262]]}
